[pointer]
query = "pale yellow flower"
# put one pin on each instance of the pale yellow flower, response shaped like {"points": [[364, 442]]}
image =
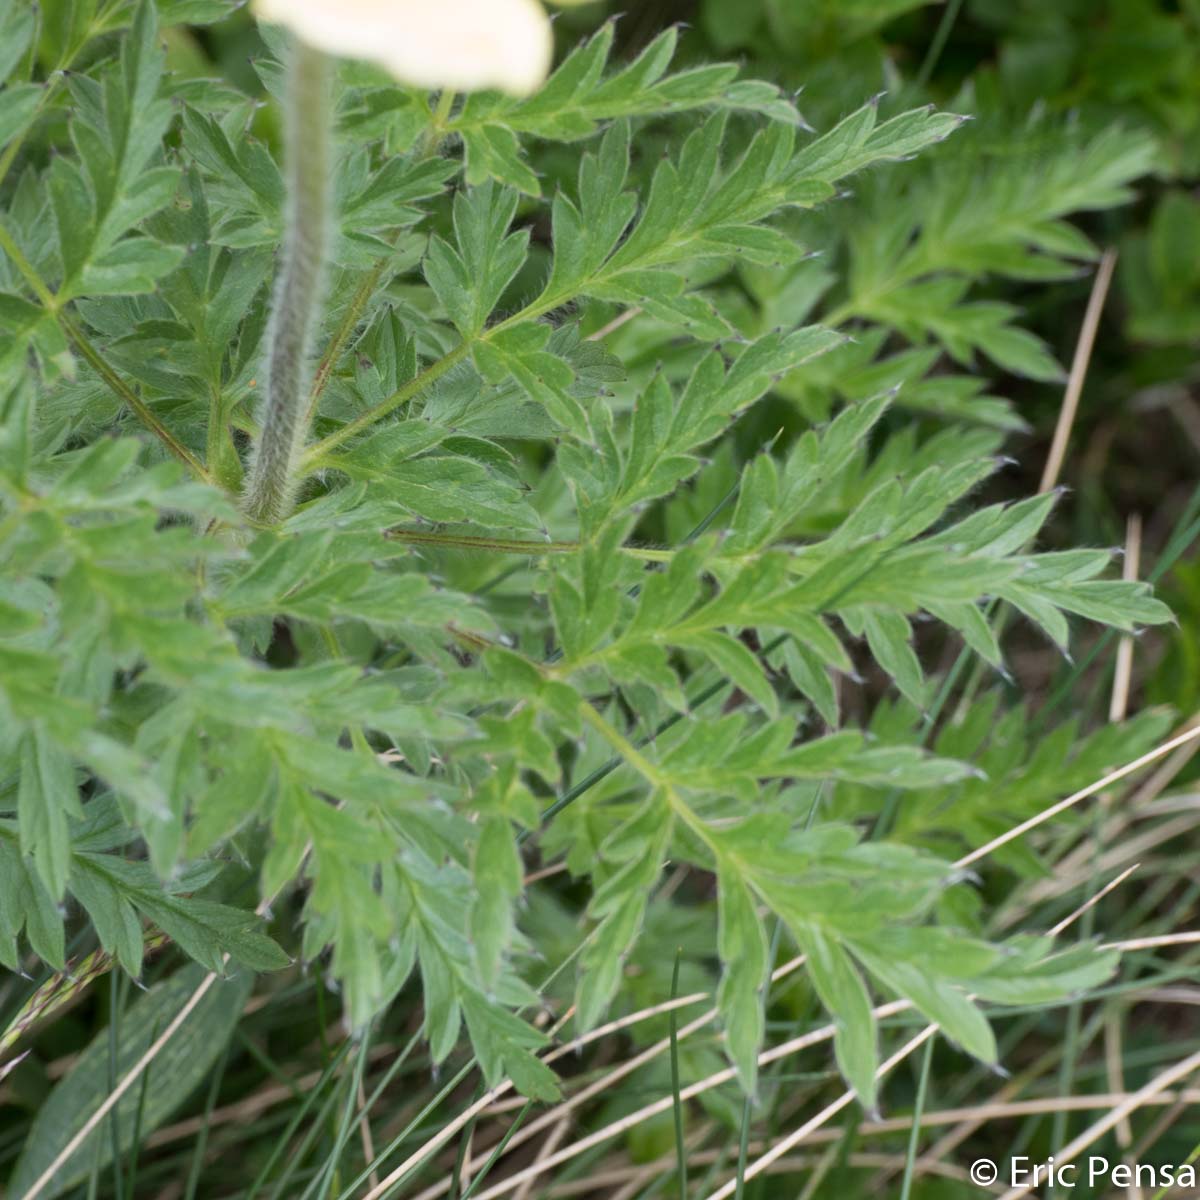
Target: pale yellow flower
{"points": [[464, 45]]}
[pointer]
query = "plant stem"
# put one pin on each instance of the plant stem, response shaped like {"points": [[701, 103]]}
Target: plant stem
{"points": [[349, 322], [271, 485], [78, 339], [945, 25], [499, 545], [372, 416], [680, 1146]]}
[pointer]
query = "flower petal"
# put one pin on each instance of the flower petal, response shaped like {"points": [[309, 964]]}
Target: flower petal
{"points": [[466, 45]]}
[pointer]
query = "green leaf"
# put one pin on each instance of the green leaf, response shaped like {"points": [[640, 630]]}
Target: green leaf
{"points": [[503, 1044], [742, 945], [174, 1074], [667, 430], [890, 637], [620, 903], [578, 98], [1031, 974], [250, 186], [26, 904], [205, 930], [19, 23], [471, 276], [498, 880], [735, 660], [845, 997], [112, 914], [119, 187], [47, 797], [521, 355], [940, 1001], [19, 104]]}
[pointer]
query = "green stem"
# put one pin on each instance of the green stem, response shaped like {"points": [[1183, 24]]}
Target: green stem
{"points": [[945, 25], [433, 372], [354, 311], [439, 122], [29, 273], [120, 388], [633, 757], [79, 340], [458, 541], [271, 484]]}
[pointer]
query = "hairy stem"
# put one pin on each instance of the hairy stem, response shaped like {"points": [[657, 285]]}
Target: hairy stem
{"points": [[534, 549], [271, 484]]}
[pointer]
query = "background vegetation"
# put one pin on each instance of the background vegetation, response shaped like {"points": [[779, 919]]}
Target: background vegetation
{"points": [[965, 277]]}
